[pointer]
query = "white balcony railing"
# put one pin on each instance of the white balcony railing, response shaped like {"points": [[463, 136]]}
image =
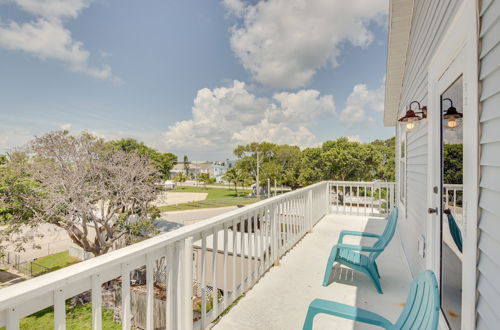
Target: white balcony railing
{"points": [[224, 255], [453, 195], [362, 198]]}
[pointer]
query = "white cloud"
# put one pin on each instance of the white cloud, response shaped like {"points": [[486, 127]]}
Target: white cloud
{"points": [[54, 9], [46, 37], [13, 137], [66, 126], [360, 105], [301, 107], [226, 116], [283, 42], [276, 132], [354, 138]]}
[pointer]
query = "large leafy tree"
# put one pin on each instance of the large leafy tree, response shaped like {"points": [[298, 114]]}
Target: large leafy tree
{"points": [[14, 213], [386, 166], [96, 193], [312, 168], [342, 159], [164, 162], [339, 159], [288, 159], [453, 163]]}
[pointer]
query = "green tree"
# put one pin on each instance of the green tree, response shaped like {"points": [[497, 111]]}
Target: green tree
{"points": [[386, 169], [289, 160], [233, 176], [180, 177], [83, 186], [453, 163], [15, 183], [3, 159], [205, 178], [164, 162], [312, 168], [186, 165], [338, 159]]}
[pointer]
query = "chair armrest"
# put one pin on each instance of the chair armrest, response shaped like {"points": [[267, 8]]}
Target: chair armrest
{"points": [[359, 248], [321, 306], [355, 233]]}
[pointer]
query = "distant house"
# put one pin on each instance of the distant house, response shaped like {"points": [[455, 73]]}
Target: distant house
{"points": [[215, 169]]}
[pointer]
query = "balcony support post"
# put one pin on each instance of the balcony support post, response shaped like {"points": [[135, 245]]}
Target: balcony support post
{"points": [[309, 210], [274, 235], [187, 280], [59, 310]]}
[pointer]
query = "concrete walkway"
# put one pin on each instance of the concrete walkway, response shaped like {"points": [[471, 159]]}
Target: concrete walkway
{"points": [[280, 299]]}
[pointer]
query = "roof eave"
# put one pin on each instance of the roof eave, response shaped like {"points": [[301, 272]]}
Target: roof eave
{"points": [[400, 17]]}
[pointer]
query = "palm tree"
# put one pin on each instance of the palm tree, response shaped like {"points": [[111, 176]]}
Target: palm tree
{"points": [[233, 176]]}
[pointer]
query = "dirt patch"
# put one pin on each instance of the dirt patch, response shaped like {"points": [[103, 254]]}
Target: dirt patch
{"points": [[173, 198]]}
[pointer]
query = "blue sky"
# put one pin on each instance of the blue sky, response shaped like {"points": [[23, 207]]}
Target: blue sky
{"points": [[193, 77]]}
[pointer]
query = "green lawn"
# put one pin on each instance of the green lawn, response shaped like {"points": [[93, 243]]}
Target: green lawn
{"points": [[217, 197], [79, 318], [52, 262]]}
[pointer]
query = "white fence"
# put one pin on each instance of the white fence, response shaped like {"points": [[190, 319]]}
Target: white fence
{"points": [[362, 198], [247, 240]]}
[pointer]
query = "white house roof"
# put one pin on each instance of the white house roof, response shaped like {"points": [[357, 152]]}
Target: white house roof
{"points": [[400, 16]]}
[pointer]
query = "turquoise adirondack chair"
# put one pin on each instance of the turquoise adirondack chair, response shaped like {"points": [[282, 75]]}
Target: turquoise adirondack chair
{"points": [[421, 310], [352, 255], [455, 231]]}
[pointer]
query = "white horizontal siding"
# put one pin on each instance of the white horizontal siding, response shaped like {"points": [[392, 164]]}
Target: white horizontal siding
{"points": [[430, 20], [488, 283]]}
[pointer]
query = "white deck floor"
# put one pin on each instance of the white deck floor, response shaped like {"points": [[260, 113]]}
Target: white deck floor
{"points": [[280, 299]]}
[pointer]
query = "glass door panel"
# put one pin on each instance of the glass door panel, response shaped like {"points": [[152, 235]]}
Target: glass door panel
{"points": [[452, 227]]}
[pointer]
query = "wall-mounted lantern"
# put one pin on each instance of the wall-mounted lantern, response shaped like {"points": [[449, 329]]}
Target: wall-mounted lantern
{"points": [[452, 116], [412, 116]]}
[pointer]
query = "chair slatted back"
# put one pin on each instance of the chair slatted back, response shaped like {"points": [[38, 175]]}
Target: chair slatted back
{"points": [[422, 305], [388, 233], [455, 232]]}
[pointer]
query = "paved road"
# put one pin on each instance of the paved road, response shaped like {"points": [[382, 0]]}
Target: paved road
{"points": [[193, 216]]}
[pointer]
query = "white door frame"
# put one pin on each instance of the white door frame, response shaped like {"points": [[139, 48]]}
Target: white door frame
{"points": [[460, 43]]}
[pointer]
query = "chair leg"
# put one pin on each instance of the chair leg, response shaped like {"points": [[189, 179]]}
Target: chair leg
{"points": [[372, 274], [311, 313], [329, 265], [376, 269]]}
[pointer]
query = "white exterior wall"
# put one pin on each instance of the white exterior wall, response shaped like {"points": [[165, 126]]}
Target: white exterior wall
{"points": [[429, 23], [488, 284]]}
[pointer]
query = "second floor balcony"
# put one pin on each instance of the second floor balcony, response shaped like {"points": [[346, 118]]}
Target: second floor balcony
{"points": [[257, 267]]}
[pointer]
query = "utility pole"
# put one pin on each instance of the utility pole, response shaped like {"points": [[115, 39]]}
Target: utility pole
{"points": [[268, 187], [275, 187]]}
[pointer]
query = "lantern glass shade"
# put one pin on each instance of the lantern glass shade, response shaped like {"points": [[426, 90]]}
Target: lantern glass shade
{"points": [[452, 123], [452, 116]]}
